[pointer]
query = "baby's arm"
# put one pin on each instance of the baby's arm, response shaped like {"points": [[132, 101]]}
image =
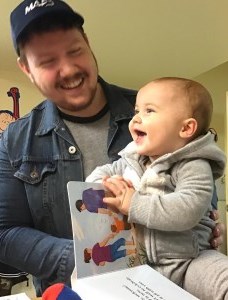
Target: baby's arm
{"points": [[181, 209], [108, 170]]}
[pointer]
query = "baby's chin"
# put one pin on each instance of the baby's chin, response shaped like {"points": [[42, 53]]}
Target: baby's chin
{"points": [[142, 152]]}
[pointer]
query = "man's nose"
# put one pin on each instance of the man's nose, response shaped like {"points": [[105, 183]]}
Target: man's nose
{"points": [[67, 68]]}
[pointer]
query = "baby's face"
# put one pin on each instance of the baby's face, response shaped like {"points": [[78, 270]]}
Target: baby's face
{"points": [[160, 112], [5, 120]]}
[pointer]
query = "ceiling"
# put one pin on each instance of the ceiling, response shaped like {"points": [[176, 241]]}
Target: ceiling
{"points": [[136, 41]]}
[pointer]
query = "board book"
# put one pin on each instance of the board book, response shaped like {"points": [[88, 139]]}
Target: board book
{"points": [[105, 252]]}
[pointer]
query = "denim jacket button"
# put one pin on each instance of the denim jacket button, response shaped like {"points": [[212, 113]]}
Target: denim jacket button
{"points": [[34, 174], [72, 150]]}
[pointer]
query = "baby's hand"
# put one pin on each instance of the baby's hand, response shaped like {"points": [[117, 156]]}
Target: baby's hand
{"points": [[121, 178], [122, 191]]}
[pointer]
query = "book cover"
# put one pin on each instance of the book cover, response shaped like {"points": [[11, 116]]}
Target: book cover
{"points": [[103, 240]]}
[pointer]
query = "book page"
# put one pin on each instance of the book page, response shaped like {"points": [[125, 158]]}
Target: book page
{"points": [[140, 282]]}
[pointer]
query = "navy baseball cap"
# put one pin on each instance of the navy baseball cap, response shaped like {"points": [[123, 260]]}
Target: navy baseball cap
{"points": [[29, 10]]}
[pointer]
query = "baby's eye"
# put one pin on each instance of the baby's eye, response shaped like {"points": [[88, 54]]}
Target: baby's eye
{"points": [[136, 111], [149, 110]]}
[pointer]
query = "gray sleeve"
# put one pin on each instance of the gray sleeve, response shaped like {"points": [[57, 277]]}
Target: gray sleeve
{"points": [[181, 209], [116, 168]]}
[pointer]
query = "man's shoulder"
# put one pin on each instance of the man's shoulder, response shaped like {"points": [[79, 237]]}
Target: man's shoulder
{"points": [[115, 90], [30, 115], [26, 131], [130, 94], [27, 124], [126, 91]]}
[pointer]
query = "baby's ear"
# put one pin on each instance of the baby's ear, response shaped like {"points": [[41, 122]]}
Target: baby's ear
{"points": [[189, 128]]}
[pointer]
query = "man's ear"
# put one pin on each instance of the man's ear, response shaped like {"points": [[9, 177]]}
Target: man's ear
{"points": [[25, 68], [189, 128]]}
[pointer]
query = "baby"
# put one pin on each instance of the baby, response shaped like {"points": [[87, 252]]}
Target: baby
{"points": [[164, 180]]}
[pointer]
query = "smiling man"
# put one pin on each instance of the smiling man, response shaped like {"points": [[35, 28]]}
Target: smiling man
{"points": [[53, 144]]}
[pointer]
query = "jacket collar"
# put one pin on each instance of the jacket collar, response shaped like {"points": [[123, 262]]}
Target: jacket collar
{"points": [[49, 117], [120, 107]]}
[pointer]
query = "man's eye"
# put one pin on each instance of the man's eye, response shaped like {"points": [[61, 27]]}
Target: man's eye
{"points": [[75, 51], [47, 62]]}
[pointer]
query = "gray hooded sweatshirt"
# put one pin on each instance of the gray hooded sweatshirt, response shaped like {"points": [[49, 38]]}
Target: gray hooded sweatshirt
{"points": [[172, 201]]}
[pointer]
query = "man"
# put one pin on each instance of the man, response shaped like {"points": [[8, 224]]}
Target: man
{"points": [[56, 142]]}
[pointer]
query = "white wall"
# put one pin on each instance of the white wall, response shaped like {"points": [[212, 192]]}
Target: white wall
{"points": [[29, 96], [216, 81]]}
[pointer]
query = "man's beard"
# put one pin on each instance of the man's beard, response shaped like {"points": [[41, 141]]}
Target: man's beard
{"points": [[71, 107], [77, 107]]}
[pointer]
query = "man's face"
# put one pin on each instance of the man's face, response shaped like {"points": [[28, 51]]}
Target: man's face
{"points": [[62, 66]]}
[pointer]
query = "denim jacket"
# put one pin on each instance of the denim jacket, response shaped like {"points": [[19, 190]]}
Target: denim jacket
{"points": [[36, 162]]}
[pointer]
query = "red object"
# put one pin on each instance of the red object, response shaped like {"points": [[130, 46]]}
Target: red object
{"points": [[14, 93], [53, 292], [59, 291]]}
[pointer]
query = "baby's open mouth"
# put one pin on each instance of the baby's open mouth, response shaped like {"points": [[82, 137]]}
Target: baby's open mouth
{"points": [[140, 133]]}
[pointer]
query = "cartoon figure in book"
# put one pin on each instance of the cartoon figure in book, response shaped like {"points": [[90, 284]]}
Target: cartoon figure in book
{"points": [[120, 224], [92, 200], [103, 252]]}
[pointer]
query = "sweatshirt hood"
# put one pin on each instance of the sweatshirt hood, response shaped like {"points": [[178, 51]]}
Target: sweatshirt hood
{"points": [[203, 147]]}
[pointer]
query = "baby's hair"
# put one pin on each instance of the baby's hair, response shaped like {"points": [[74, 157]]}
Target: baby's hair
{"points": [[199, 100]]}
